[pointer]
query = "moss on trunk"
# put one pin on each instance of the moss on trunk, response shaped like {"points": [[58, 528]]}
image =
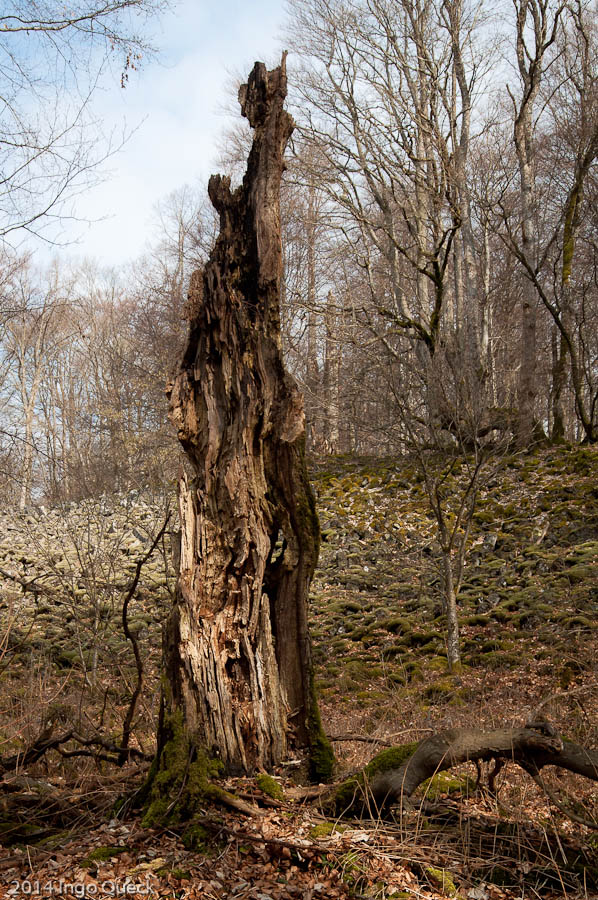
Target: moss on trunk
{"points": [[321, 754], [181, 779]]}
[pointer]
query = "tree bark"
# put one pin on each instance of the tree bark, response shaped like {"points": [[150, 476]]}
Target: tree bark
{"points": [[237, 648]]}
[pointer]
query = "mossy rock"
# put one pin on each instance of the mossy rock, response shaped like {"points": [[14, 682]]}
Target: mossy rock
{"points": [[439, 691], [66, 659], [347, 606], [370, 696], [500, 615], [396, 625], [437, 664], [495, 644], [270, 787], [578, 623], [580, 573], [391, 651], [476, 620], [361, 671], [424, 638], [413, 670], [326, 829], [441, 881], [101, 854], [358, 634], [496, 660]]}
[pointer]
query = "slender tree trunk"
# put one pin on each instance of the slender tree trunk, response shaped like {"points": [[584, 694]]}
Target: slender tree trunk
{"points": [[536, 24], [485, 348], [332, 376], [237, 649], [312, 375], [526, 389], [453, 653], [559, 360], [27, 467]]}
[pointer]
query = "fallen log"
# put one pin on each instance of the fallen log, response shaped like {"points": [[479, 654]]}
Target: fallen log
{"points": [[394, 775]]}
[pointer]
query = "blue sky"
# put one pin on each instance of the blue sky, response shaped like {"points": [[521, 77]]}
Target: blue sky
{"points": [[175, 105]]}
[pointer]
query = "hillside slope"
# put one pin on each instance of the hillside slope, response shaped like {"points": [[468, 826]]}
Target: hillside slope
{"points": [[528, 604], [529, 633]]}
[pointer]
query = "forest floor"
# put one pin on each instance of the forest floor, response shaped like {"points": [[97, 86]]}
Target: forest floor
{"points": [[527, 606]]}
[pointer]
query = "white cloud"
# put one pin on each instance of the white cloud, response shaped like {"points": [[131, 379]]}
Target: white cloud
{"points": [[175, 106]]}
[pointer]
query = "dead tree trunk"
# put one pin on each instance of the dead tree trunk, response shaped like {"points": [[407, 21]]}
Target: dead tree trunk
{"points": [[237, 647]]}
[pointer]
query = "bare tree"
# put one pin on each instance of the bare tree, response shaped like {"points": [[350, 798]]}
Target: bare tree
{"points": [[33, 337], [536, 24], [561, 278], [386, 96], [52, 57]]}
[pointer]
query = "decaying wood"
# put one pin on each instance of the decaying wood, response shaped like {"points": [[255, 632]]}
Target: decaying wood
{"points": [[237, 651], [531, 748], [360, 738]]}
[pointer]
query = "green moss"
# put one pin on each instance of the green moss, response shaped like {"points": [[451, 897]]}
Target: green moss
{"points": [[391, 758], [325, 829], [321, 754], [56, 840], [440, 879], [424, 638], [396, 625], [495, 660], [500, 615], [66, 659], [495, 644], [439, 690], [270, 787], [350, 796], [101, 854], [370, 696], [183, 772], [438, 664], [179, 874], [447, 783], [476, 620], [196, 838], [580, 573], [393, 650], [578, 622]]}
